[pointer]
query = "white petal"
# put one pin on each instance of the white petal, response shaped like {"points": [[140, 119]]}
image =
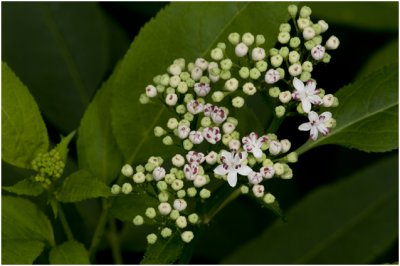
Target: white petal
{"points": [[313, 116], [325, 116], [245, 170], [314, 133], [315, 99], [227, 155], [323, 129], [257, 152], [220, 170], [305, 103], [232, 178], [310, 87], [305, 127], [298, 84]]}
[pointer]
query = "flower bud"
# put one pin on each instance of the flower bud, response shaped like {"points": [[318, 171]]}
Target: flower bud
{"points": [[294, 42], [188, 116], [274, 92], [151, 238], [244, 72], [226, 64], [217, 96], [175, 69], [174, 215], [196, 137], [205, 193], [284, 37], [158, 173], [231, 84], [238, 102], [261, 66], [244, 189], [180, 205], [217, 54], [164, 208], [273, 51], [193, 218], [171, 99], [307, 66], [187, 236], [292, 157], [187, 145], [302, 23], [258, 190], [241, 49], [201, 63], [280, 111], [294, 57], [267, 172], [205, 121], [309, 44], [308, 33], [258, 54], [327, 58], [255, 178], [249, 89], [285, 145], [174, 81], [163, 196], [295, 69], [138, 220], [181, 194], [254, 73], [292, 9], [248, 38], [335, 102], [166, 232], [305, 12], [143, 99], [269, 198], [276, 60], [260, 39], [225, 74], [164, 80], [272, 76], [324, 25], [317, 39], [234, 38], [211, 157], [139, 178], [275, 147], [151, 91], [162, 185], [285, 96], [305, 76], [199, 181], [284, 27], [192, 191], [159, 131], [332, 43], [150, 212], [279, 169], [178, 160], [328, 100], [177, 184], [126, 188], [115, 189], [127, 170], [284, 51], [202, 89], [181, 222], [318, 52]]}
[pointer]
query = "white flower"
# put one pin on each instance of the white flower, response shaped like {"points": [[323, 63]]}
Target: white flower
{"points": [[212, 134], [196, 137], [306, 94], [202, 89], [232, 164], [272, 76], [252, 143], [194, 157], [317, 123], [194, 107]]}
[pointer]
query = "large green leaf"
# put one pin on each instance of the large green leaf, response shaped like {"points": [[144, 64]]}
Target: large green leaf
{"points": [[26, 187], [367, 116], [371, 15], [24, 134], [20, 251], [187, 30], [61, 50], [80, 186], [23, 221], [164, 251], [70, 252], [97, 148], [352, 221]]}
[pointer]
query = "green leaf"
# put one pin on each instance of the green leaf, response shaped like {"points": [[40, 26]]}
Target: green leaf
{"points": [[81, 185], [61, 50], [26, 187], [70, 252], [62, 147], [367, 116], [24, 133], [164, 251], [126, 207], [20, 251], [187, 30], [25, 230], [387, 55], [371, 15], [352, 221], [97, 148]]}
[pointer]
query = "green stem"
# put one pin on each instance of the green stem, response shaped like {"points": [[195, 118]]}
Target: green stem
{"points": [[98, 234], [64, 223], [113, 238]]}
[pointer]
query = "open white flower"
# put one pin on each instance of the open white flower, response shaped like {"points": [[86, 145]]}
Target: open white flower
{"points": [[232, 164], [317, 123], [252, 143], [306, 94]]}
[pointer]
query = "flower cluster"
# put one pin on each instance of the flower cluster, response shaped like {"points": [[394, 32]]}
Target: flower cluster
{"points": [[49, 166], [205, 97]]}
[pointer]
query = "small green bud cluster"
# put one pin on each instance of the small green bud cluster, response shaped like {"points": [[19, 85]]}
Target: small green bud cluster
{"points": [[49, 166]]}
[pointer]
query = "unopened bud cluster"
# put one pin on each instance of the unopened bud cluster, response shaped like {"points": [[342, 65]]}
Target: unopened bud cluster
{"points": [[49, 166], [205, 96]]}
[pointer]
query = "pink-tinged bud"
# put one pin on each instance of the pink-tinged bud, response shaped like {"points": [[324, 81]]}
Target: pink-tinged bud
{"points": [[190, 171], [194, 107], [196, 137], [258, 191], [218, 115], [272, 76], [255, 178], [318, 52], [202, 89], [158, 173], [212, 134], [267, 172], [183, 131]]}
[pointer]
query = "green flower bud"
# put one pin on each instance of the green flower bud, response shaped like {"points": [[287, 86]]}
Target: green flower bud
{"points": [[226, 64], [150, 212], [280, 111], [238, 102], [302, 23], [140, 169], [187, 236], [335, 102], [254, 73], [177, 184], [292, 9], [317, 40], [284, 37], [292, 157], [190, 82], [164, 80], [273, 51], [180, 62], [251, 161], [288, 174], [305, 12], [174, 81], [139, 178], [205, 193], [172, 123], [284, 27], [160, 88], [260, 39], [231, 84], [307, 66], [205, 122], [235, 135], [143, 99], [269, 198], [299, 109], [317, 28], [138, 220], [327, 58], [193, 218], [115, 189], [182, 87], [159, 131], [149, 177], [174, 214], [126, 188], [274, 92], [187, 144], [276, 60], [249, 88], [244, 72], [225, 74], [305, 76], [309, 45], [184, 76], [294, 42], [188, 97], [232, 120], [217, 96], [217, 54], [204, 80], [181, 222], [294, 57], [284, 51], [191, 192], [279, 168], [234, 38], [167, 140], [127, 170], [166, 232], [248, 38], [151, 238], [157, 79], [181, 193], [221, 45], [215, 71], [188, 116], [163, 196], [262, 65], [281, 72], [244, 189], [162, 185], [226, 138]]}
